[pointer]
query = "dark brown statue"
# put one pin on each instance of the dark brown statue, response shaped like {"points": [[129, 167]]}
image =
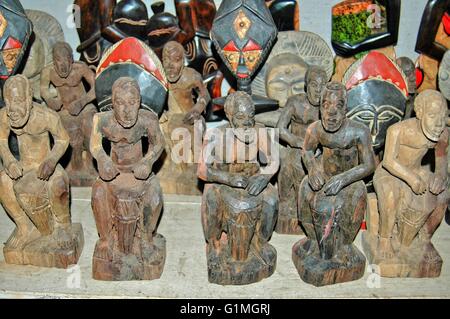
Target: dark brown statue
{"points": [[126, 198], [188, 98], [300, 111], [412, 199], [34, 190], [333, 197], [240, 206], [74, 106]]}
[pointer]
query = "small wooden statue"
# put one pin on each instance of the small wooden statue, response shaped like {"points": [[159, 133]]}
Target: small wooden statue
{"points": [[240, 206], [333, 197], [127, 198], [412, 199], [185, 112], [74, 106], [300, 111], [34, 190]]}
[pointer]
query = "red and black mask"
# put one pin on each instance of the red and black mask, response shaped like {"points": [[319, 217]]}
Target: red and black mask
{"points": [[15, 32], [243, 33]]}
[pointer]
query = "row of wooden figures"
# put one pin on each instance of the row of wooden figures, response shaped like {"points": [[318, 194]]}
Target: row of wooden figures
{"points": [[240, 205]]}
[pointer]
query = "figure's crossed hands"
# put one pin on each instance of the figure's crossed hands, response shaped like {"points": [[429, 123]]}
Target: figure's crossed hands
{"points": [[14, 170]]}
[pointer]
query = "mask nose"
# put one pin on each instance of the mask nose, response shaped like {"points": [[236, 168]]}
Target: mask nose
{"points": [[242, 68]]}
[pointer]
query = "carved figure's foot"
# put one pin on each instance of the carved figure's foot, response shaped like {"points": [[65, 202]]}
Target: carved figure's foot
{"points": [[21, 236], [384, 250]]}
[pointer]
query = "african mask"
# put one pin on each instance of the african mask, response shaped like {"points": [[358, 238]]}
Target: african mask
{"points": [[377, 94], [15, 32], [132, 58], [444, 75], [243, 33], [300, 49]]}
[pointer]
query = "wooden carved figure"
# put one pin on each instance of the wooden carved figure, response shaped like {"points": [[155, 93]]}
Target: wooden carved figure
{"points": [[46, 32], [126, 198], [333, 197], [240, 206], [74, 106], [412, 199], [34, 190], [285, 71], [300, 111], [185, 112]]}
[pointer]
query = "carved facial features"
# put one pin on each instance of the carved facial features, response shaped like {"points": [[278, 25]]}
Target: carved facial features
{"points": [[333, 107], [126, 103], [433, 116], [315, 83], [285, 77], [243, 62], [173, 61], [377, 118], [63, 62], [240, 111], [18, 100]]}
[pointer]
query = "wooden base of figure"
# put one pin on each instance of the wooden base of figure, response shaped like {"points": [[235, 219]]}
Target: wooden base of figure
{"points": [[59, 250], [223, 270], [287, 223], [122, 267], [349, 265], [420, 260]]}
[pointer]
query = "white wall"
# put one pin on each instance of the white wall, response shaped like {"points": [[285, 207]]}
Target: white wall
{"points": [[315, 16]]}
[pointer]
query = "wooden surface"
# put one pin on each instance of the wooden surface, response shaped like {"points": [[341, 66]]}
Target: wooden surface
{"points": [[185, 273]]}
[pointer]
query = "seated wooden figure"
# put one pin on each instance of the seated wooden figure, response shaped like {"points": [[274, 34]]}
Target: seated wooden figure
{"points": [[34, 190], [300, 111], [188, 98], [412, 199], [333, 197], [74, 106], [240, 206], [127, 198]]}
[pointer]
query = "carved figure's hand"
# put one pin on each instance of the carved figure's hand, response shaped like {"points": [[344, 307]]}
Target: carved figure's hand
{"points": [[46, 169], [142, 171], [419, 186], [437, 184], [316, 180], [107, 170], [14, 170], [334, 185], [238, 181], [256, 184], [191, 117]]}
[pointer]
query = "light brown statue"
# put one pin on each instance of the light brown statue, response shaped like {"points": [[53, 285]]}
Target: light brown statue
{"points": [[188, 98], [240, 206], [34, 190], [127, 199], [300, 111], [74, 106], [412, 199]]}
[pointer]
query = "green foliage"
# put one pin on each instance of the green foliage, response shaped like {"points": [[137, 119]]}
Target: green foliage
{"points": [[351, 28]]}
